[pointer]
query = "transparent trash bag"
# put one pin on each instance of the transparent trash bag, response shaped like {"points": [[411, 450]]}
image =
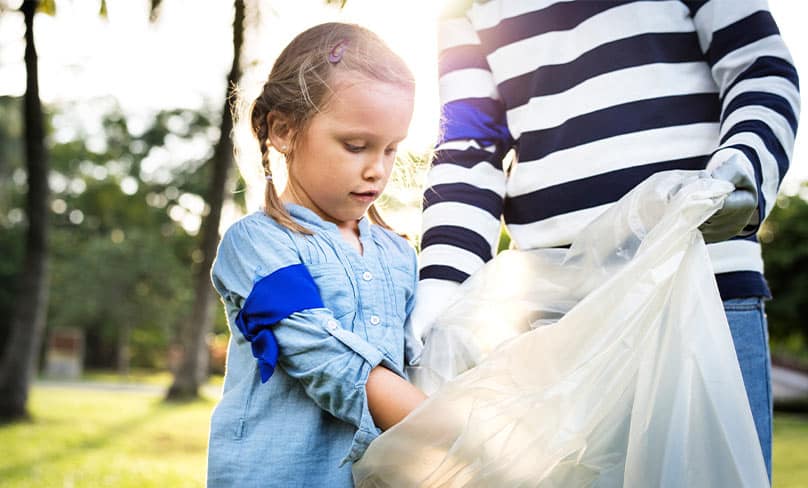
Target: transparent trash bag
{"points": [[604, 365]]}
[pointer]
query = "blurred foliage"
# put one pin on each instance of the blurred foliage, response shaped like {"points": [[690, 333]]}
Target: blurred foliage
{"points": [[785, 254], [504, 239], [139, 283], [47, 7], [122, 261]]}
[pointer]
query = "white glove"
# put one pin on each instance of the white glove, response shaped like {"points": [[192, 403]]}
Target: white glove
{"points": [[432, 298]]}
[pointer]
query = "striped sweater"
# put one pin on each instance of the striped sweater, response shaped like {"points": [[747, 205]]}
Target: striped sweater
{"points": [[593, 97]]}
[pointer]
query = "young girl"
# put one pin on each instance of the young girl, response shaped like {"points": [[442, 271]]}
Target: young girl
{"points": [[316, 293]]}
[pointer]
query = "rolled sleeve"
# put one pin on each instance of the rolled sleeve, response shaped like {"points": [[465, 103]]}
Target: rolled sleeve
{"points": [[333, 365]]}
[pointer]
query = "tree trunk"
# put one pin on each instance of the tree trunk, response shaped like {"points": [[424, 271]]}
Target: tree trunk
{"points": [[193, 370], [124, 351], [18, 364]]}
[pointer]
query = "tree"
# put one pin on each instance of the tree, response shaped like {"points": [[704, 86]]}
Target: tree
{"points": [[122, 240], [193, 370], [18, 359], [785, 254], [18, 363], [11, 231]]}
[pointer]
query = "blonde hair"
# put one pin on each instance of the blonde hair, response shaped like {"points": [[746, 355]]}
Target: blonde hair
{"points": [[298, 87]]}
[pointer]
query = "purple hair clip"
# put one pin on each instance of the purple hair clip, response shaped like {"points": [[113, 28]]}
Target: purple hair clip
{"points": [[335, 56]]}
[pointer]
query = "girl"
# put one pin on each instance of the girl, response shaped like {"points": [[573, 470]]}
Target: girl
{"points": [[316, 293]]}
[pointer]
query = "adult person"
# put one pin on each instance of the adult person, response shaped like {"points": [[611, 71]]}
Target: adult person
{"points": [[593, 97]]}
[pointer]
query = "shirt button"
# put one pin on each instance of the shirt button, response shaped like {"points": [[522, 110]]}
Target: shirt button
{"points": [[367, 276], [375, 320], [332, 325]]}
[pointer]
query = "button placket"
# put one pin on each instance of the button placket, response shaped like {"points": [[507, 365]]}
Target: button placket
{"points": [[367, 277]]}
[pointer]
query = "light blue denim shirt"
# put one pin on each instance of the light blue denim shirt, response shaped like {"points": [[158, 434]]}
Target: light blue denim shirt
{"points": [[310, 420]]}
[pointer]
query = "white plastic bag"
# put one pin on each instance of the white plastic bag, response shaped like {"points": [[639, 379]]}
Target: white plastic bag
{"points": [[609, 364]]}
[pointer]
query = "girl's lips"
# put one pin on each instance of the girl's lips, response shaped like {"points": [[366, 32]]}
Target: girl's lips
{"points": [[367, 196]]}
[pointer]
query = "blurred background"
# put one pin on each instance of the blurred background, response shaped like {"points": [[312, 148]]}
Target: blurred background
{"points": [[117, 175]]}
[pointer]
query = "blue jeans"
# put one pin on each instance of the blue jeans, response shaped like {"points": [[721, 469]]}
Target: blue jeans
{"points": [[747, 323]]}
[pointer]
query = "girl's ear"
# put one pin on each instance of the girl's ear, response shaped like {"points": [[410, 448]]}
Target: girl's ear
{"points": [[280, 131]]}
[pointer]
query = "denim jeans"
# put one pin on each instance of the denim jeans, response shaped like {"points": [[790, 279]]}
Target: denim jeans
{"points": [[747, 323]]}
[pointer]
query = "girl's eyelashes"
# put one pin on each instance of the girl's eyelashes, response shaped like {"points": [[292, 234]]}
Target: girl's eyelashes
{"points": [[357, 148], [353, 148]]}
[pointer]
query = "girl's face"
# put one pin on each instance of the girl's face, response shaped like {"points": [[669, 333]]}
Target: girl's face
{"points": [[343, 158]]}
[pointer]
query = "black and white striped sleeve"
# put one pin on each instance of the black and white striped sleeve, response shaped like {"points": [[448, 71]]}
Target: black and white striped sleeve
{"points": [[758, 86], [463, 202]]}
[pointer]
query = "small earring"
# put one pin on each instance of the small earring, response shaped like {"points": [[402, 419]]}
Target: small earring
{"points": [[283, 149]]}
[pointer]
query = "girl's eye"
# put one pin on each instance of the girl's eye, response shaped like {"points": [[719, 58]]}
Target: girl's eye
{"points": [[353, 148], [390, 151]]}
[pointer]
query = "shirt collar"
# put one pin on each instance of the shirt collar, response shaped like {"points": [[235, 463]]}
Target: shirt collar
{"points": [[308, 218]]}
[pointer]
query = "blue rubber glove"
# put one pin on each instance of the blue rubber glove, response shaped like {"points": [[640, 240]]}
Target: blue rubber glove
{"points": [[739, 214]]}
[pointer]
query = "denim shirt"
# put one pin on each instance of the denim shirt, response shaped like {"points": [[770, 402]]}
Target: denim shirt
{"points": [[310, 420]]}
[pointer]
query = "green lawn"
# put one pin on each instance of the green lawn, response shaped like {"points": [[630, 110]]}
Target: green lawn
{"points": [[101, 438], [86, 438], [790, 454]]}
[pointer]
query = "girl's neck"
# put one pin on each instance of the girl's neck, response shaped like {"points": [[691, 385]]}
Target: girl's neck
{"points": [[348, 230], [351, 236]]}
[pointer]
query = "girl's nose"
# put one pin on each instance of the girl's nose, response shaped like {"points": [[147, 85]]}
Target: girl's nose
{"points": [[376, 167]]}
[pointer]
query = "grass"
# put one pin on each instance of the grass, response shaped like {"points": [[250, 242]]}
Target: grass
{"points": [[790, 453], [88, 438], [135, 376], [140, 377], [82, 437]]}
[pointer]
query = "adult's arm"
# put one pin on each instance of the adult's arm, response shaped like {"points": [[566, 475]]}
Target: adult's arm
{"points": [[759, 92], [463, 202]]}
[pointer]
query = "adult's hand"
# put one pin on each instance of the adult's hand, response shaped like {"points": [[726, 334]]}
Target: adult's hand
{"points": [[739, 214]]}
